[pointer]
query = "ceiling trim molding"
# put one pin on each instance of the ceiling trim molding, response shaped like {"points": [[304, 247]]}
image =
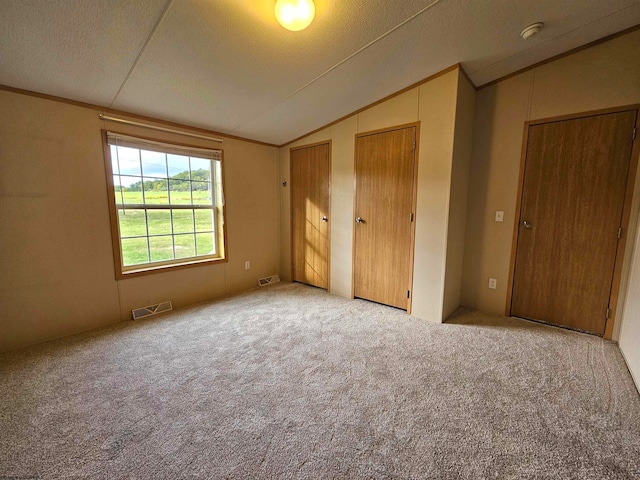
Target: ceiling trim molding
{"points": [[458, 66], [103, 109], [467, 77], [388, 97], [560, 55]]}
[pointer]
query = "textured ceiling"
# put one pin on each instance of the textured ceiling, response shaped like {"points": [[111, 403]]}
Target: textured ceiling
{"points": [[227, 65]]}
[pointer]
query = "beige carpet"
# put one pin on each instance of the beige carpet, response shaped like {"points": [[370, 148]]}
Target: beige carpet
{"points": [[290, 382]]}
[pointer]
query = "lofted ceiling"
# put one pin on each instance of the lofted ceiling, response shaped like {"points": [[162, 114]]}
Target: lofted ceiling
{"points": [[228, 66]]}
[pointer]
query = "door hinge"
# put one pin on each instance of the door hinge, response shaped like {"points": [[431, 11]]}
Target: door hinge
{"points": [[414, 146], [411, 217], [620, 232], [634, 133], [608, 315], [408, 293]]}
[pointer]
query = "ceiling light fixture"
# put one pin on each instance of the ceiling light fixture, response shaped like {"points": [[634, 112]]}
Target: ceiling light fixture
{"points": [[531, 30], [295, 15]]}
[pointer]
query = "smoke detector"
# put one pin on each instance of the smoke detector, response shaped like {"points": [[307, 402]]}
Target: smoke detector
{"points": [[531, 30]]}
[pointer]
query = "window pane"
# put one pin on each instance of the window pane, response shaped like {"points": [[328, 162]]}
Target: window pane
{"points": [[129, 161], [200, 169], [154, 164], [180, 192], [134, 251], [117, 189], [178, 166], [131, 190], [159, 222], [155, 192], [182, 221], [202, 193], [205, 244], [161, 248], [114, 160], [132, 223], [204, 220], [184, 246]]}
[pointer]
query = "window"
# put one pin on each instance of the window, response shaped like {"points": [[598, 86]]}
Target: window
{"points": [[167, 204]]}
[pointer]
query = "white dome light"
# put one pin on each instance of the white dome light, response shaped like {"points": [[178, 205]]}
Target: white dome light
{"points": [[295, 15]]}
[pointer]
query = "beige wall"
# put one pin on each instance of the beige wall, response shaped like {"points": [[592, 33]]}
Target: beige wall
{"points": [[434, 105], [343, 135], [461, 166], [630, 328], [437, 109], [56, 264], [602, 76]]}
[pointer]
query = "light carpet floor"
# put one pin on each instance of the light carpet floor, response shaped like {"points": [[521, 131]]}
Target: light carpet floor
{"points": [[290, 382]]}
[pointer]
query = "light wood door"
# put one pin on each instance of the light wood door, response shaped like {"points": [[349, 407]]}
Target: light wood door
{"points": [[385, 164], [310, 214], [571, 211]]}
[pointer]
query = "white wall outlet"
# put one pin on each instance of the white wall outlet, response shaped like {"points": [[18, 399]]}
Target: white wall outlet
{"points": [[247, 265], [493, 283], [499, 216]]}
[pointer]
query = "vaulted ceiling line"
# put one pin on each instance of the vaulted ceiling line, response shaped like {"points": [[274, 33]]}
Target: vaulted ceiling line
{"points": [[341, 62], [144, 47]]}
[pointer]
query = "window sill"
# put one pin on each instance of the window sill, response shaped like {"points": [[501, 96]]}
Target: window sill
{"points": [[150, 269]]}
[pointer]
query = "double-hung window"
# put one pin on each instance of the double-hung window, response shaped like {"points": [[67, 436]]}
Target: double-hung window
{"points": [[167, 204]]}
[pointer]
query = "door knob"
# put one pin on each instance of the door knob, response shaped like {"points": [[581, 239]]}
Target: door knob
{"points": [[526, 224], [324, 219], [359, 220]]}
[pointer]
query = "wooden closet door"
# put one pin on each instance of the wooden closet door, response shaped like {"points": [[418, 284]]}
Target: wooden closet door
{"points": [[572, 201], [384, 200], [310, 214]]}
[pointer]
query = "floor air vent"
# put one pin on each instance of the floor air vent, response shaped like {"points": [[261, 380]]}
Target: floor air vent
{"points": [[263, 282], [142, 312]]}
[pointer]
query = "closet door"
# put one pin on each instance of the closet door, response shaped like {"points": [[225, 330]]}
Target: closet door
{"points": [[310, 214], [385, 169], [573, 195]]}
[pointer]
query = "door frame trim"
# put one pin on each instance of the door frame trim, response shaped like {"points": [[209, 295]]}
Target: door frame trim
{"points": [[414, 203], [301, 147], [626, 208]]}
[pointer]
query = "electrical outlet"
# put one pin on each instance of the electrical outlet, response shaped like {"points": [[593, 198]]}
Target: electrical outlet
{"points": [[499, 216], [247, 265], [493, 283]]}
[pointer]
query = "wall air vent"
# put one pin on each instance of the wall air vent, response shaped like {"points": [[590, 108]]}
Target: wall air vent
{"points": [[142, 312], [263, 282]]}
